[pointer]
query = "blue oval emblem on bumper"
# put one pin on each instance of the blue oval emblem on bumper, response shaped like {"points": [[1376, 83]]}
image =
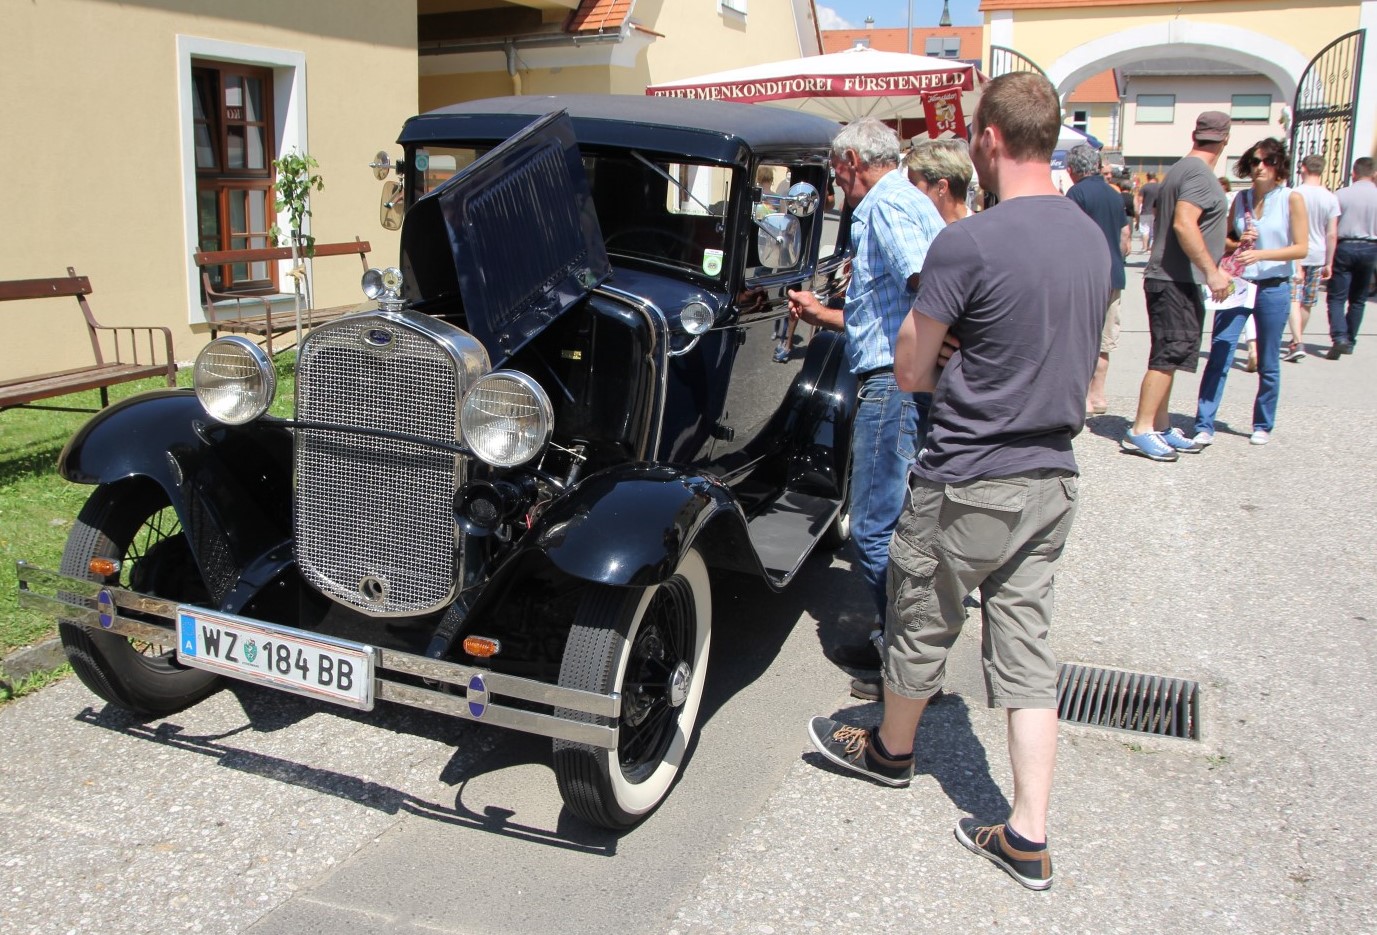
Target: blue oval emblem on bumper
{"points": [[477, 697], [105, 604]]}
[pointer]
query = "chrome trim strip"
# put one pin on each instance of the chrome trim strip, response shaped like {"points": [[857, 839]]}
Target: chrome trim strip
{"points": [[529, 722], [513, 686], [91, 619], [66, 606], [659, 324]]}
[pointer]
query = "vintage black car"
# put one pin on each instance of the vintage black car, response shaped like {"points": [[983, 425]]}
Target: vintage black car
{"points": [[507, 479]]}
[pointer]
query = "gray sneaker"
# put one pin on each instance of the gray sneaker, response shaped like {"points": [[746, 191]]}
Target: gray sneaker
{"points": [[1033, 869], [851, 748]]}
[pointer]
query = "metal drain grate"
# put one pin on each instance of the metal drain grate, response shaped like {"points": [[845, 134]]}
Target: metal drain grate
{"points": [[1131, 701]]}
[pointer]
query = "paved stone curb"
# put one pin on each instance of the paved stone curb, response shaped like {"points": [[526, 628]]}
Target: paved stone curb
{"points": [[37, 658]]}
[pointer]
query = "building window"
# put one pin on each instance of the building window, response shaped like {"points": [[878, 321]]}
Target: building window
{"points": [[734, 6], [1156, 108], [1251, 107], [232, 124], [1080, 120], [942, 46]]}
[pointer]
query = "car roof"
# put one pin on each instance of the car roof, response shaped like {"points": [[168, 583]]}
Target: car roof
{"points": [[713, 130]]}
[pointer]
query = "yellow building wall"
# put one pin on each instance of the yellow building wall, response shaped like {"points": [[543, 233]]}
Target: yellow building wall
{"points": [[1045, 35], [698, 40], [692, 38], [92, 109], [441, 90]]}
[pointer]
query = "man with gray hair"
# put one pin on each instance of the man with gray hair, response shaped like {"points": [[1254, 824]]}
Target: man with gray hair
{"points": [[892, 225], [1105, 206]]}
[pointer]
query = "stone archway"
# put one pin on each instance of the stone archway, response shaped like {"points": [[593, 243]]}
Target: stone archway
{"points": [[1182, 39]]}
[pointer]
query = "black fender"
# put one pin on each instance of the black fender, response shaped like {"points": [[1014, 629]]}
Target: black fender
{"points": [[630, 525], [229, 485], [824, 406]]}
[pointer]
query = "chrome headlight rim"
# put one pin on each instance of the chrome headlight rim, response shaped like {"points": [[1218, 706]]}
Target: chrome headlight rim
{"points": [[251, 390], [542, 411], [696, 318]]}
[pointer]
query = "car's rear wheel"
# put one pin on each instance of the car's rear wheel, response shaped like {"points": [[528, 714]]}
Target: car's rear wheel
{"points": [[651, 645], [135, 525]]}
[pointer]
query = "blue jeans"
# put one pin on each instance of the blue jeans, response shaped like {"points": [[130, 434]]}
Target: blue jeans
{"points": [[888, 431], [1354, 261], [1269, 315]]}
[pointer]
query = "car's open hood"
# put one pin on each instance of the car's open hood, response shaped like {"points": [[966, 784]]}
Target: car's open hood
{"points": [[523, 235]]}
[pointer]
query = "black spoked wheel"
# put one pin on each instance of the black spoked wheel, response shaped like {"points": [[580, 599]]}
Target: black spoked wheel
{"points": [[135, 526], [652, 646]]}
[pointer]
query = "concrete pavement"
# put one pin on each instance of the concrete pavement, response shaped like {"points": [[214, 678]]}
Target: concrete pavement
{"points": [[1249, 570]]}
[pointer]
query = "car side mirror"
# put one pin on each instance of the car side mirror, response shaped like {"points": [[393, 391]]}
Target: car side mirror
{"points": [[779, 241], [801, 200], [390, 207]]}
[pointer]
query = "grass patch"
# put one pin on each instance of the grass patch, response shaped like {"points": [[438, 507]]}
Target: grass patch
{"points": [[32, 683], [37, 506]]}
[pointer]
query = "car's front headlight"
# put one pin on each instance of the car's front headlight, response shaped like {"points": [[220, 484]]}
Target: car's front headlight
{"points": [[506, 419], [234, 380]]}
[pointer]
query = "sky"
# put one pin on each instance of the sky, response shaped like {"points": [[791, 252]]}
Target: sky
{"points": [[851, 14]]}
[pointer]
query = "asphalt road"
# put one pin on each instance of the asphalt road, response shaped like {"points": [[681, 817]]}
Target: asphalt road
{"points": [[1247, 569]]}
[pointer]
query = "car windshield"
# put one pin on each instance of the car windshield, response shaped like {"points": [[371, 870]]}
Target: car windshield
{"points": [[649, 208]]}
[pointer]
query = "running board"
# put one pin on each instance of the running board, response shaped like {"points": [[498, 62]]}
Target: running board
{"points": [[776, 533]]}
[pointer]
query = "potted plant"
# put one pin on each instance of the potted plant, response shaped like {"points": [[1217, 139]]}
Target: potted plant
{"points": [[296, 177]]}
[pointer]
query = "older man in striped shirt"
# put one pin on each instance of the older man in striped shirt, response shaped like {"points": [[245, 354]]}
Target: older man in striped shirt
{"points": [[892, 225]]}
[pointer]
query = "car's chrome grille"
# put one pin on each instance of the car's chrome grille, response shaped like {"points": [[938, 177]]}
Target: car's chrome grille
{"points": [[374, 515]]}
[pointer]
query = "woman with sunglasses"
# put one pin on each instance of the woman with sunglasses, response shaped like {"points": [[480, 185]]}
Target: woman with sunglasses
{"points": [[1268, 230]]}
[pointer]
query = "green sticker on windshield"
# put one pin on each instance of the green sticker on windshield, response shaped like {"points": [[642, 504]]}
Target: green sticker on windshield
{"points": [[712, 262]]}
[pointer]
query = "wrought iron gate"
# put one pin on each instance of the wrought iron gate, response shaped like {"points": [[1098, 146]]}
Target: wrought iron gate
{"points": [[1325, 105], [1005, 60]]}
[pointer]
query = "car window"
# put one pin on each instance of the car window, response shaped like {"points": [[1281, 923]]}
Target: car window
{"points": [[656, 210], [434, 165], [661, 211]]}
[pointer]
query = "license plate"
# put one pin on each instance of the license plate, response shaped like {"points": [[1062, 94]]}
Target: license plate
{"points": [[279, 657]]}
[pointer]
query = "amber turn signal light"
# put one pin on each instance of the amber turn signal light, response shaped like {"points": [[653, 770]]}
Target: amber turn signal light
{"points": [[104, 567], [480, 647]]}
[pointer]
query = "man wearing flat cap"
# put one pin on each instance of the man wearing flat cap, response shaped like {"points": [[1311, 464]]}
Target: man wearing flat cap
{"points": [[1192, 215]]}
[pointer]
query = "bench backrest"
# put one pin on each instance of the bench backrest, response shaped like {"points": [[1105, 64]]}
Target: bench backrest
{"points": [[44, 288], [71, 284], [261, 254]]}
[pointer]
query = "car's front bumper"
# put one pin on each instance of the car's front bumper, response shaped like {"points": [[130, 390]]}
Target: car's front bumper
{"points": [[104, 609]]}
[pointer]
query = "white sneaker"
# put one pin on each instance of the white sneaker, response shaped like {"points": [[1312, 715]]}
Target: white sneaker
{"points": [[1203, 438], [1260, 437]]}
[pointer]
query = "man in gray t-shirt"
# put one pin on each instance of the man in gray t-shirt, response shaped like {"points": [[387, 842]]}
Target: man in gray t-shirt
{"points": [[1192, 216], [992, 497]]}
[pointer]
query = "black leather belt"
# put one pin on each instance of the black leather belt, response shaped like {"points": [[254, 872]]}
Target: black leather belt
{"points": [[1358, 240], [867, 374], [1270, 281]]}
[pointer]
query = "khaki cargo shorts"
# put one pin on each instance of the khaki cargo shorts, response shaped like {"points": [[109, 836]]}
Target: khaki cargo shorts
{"points": [[1002, 536]]}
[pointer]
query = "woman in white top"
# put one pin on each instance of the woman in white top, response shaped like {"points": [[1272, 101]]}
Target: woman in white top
{"points": [[1267, 232]]}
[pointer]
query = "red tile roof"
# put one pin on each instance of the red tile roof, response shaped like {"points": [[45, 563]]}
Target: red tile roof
{"points": [[896, 40], [1097, 89], [594, 16]]}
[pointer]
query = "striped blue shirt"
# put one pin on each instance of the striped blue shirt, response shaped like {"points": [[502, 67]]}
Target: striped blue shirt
{"points": [[891, 230]]}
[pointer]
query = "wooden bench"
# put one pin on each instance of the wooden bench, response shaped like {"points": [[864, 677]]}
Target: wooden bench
{"points": [[251, 313], [133, 351]]}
